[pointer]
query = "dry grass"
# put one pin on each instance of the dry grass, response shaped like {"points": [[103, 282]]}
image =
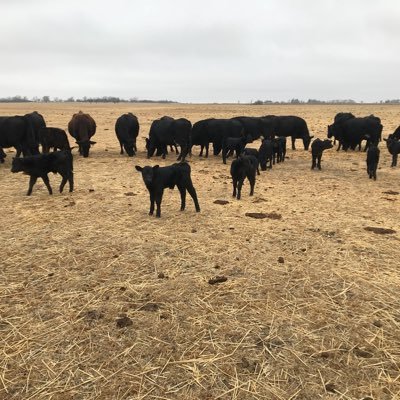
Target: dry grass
{"points": [[321, 322]]}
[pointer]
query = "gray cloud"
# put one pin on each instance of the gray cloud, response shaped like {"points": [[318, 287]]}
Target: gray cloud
{"points": [[201, 51]]}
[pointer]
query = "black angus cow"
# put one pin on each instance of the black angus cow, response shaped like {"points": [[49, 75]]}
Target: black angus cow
{"points": [[201, 136], [255, 127], [317, 148], [158, 178], [127, 130], [350, 132], [16, 132], [266, 154], [279, 149], [372, 160], [39, 165], [292, 126], [35, 123], [242, 168], [394, 149], [168, 131], [340, 117], [221, 129], [53, 138], [82, 127]]}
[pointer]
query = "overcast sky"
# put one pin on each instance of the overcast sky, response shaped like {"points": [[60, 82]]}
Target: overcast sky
{"points": [[201, 51]]}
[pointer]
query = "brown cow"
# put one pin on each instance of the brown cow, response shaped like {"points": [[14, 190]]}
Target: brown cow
{"points": [[82, 127]]}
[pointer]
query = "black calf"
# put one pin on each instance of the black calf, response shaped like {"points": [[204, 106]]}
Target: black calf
{"points": [[372, 161], [242, 167], [317, 148], [38, 166], [233, 144], [394, 148], [252, 152], [266, 153], [158, 178], [53, 138]]}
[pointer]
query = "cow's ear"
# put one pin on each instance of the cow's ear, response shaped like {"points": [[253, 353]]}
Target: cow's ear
{"points": [[91, 142], [311, 136], [138, 168]]}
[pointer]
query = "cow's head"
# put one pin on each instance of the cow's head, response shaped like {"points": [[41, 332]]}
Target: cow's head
{"points": [[331, 131], [148, 174], [84, 146], [150, 147]]}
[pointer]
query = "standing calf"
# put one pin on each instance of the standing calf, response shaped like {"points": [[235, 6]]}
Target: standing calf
{"points": [[38, 166], [266, 153], [317, 148], [242, 167], [158, 178], [372, 160], [394, 148], [53, 138]]}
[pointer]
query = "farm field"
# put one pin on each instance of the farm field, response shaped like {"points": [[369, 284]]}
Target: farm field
{"points": [[98, 300]]}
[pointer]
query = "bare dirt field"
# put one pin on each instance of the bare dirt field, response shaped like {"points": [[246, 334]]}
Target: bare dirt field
{"points": [[98, 300]]}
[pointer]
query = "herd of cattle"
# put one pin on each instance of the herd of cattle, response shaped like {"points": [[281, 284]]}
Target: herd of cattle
{"points": [[228, 136]]}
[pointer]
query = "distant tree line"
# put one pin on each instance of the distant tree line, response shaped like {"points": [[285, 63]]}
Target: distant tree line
{"points": [[84, 99], [115, 99]]}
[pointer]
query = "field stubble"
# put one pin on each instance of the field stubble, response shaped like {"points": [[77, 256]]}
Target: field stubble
{"points": [[100, 301]]}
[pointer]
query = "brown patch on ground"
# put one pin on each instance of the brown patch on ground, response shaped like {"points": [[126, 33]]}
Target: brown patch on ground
{"points": [[258, 215], [274, 331], [380, 231]]}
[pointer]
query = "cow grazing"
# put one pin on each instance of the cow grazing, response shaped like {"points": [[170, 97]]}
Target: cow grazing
{"points": [[127, 130], [54, 138], [372, 161], [82, 127], [290, 125], [39, 165], [394, 149], [266, 154], [317, 148], [158, 178], [242, 168]]}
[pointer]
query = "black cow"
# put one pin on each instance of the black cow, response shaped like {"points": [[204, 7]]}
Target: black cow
{"points": [[233, 144], [201, 135], [17, 132], [394, 149], [127, 130], [158, 178], [292, 126], [279, 149], [266, 154], [168, 131], [242, 167], [352, 131], [396, 134], [253, 126], [35, 123], [53, 138], [39, 165], [340, 117], [221, 129], [372, 161], [317, 148], [82, 127]]}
